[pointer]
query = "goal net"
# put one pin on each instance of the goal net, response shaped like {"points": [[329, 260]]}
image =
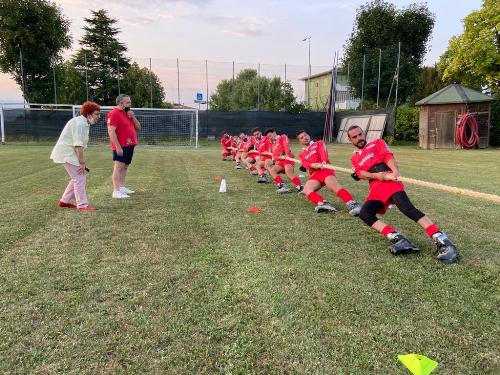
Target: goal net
{"points": [[161, 127]]}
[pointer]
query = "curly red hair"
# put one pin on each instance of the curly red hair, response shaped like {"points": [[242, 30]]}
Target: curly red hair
{"points": [[89, 108]]}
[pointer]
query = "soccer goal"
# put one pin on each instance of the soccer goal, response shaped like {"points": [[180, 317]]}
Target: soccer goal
{"points": [[159, 127]]}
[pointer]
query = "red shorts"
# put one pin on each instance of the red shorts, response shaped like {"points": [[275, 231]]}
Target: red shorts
{"points": [[383, 191], [283, 163], [265, 157], [320, 175]]}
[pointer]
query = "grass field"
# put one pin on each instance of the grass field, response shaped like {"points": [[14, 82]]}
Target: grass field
{"points": [[182, 279]]}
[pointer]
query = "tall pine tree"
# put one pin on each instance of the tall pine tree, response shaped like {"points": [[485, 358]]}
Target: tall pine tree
{"points": [[105, 55]]}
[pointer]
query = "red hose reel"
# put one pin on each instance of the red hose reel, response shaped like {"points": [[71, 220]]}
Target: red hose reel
{"points": [[467, 133]]}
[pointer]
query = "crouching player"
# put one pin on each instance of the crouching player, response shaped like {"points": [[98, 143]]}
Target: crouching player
{"points": [[374, 161], [228, 145], [241, 153], [313, 157], [280, 146], [263, 158]]}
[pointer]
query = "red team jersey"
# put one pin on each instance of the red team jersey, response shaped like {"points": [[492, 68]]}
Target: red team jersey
{"points": [[226, 142], [316, 153], [373, 153], [263, 145], [248, 146], [281, 146], [124, 125]]}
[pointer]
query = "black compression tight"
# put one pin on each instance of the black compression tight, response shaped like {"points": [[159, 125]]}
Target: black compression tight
{"points": [[370, 208]]}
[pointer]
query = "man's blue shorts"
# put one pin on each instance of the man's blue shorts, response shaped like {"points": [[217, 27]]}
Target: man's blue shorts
{"points": [[128, 153]]}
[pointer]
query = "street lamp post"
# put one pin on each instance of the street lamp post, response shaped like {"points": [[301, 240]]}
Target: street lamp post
{"points": [[309, 74]]}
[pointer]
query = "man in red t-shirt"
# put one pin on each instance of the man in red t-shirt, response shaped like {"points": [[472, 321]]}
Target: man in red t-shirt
{"points": [[280, 146], [313, 157], [228, 146], [122, 129], [262, 157], [374, 161]]}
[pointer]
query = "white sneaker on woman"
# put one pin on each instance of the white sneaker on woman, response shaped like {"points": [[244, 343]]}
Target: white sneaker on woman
{"points": [[126, 190], [119, 195]]}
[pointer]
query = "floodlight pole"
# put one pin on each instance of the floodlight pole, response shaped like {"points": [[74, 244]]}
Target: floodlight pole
{"points": [[206, 78], [178, 87], [22, 77], [86, 76], [54, 77], [378, 82], [118, 71], [397, 76], [258, 87], [150, 83], [309, 73], [285, 72], [363, 81]]}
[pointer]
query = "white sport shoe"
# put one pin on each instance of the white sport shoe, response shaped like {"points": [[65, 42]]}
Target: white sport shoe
{"points": [[119, 195], [126, 190]]}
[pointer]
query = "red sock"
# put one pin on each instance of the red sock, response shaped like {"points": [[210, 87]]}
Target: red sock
{"points": [[315, 197], [261, 174], [252, 168], [278, 180], [386, 230], [344, 195], [432, 230], [224, 154], [296, 181]]}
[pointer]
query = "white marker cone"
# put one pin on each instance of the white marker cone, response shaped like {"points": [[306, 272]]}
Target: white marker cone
{"points": [[223, 186]]}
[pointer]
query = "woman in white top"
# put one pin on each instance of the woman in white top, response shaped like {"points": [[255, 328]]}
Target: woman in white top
{"points": [[69, 151]]}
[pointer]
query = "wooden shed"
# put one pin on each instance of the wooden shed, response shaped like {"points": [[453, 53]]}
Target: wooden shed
{"points": [[439, 116]]}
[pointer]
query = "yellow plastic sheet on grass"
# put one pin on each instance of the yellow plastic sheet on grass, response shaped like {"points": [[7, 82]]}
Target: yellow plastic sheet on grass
{"points": [[418, 364]]}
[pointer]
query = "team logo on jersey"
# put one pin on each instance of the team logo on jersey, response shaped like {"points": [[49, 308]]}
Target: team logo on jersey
{"points": [[366, 158]]}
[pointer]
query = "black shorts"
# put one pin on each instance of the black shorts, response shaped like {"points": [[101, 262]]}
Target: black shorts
{"points": [[128, 153]]}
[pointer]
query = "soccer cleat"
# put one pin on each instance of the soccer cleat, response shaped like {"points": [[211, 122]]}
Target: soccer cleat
{"points": [[238, 166], [447, 252], [126, 190], [87, 208], [283, 189], [402, 245], [324, 207], [300, 189], [224, 159], [262, 180], [66, 205], [254, 173], [119, 195], [354, 208]]}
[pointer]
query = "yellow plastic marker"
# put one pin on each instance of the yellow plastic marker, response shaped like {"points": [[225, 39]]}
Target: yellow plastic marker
{"points": [[418, 364]]}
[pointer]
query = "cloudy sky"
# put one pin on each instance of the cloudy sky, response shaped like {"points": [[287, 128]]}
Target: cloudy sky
{"points": [[269, 32]]}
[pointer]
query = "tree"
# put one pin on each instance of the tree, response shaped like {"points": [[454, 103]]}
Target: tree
{"points": [[138, 82], [70, 84], [248, 91], [105, 55], [38, 30], [379, 25], [473, 58], [428, 83]]}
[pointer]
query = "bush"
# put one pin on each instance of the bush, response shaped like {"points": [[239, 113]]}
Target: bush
{"points": [[495, 123], [407, 123]]}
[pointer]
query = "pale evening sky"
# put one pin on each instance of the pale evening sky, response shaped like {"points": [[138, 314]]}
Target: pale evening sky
{"points": [[266, 32]]}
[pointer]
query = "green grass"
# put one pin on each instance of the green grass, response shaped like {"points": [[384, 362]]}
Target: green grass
{"points": [[182, 279]]}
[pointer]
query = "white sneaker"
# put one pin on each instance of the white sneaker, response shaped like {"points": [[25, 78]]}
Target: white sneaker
{"points": [[119, 195], [126, 190]]}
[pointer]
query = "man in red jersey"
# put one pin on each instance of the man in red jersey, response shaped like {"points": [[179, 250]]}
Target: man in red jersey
{"points": [[280, 146], [227, 144], [250, 153], [314, 157], [122, 129], [374, 161], [240, 152], [263, 148]]}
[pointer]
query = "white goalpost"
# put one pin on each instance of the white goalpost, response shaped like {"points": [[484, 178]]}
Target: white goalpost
{"points": [[159, 127]]}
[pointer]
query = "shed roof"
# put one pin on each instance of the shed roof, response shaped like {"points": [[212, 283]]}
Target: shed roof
{"points": [[455, 94]]}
